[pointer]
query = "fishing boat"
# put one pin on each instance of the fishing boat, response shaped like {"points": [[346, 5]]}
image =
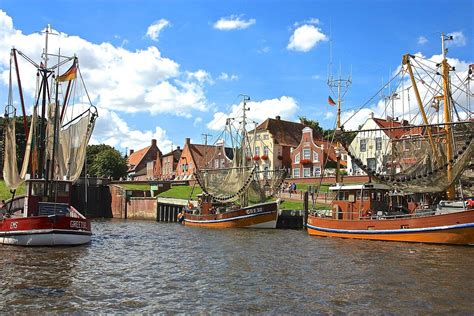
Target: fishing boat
{"points": [[419, 166], [53, 154], [239, 195]]}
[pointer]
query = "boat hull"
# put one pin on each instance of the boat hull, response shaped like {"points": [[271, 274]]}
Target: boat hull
{"points": [[45, 231], [257, 216], [455, 228]]}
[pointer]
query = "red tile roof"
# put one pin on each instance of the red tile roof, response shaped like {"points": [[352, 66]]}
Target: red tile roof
{"points": [[395, 133], [285, 133], [135, 158]]}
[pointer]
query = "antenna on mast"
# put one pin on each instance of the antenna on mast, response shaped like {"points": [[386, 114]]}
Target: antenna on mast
{"points": [[342, 85]]}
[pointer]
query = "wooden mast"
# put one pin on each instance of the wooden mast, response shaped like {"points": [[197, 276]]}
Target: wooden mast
{"points": [[406, 61], [447, 119]]}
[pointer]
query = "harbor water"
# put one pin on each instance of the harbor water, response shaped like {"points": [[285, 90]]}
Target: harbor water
{"points": [[150, 267]]}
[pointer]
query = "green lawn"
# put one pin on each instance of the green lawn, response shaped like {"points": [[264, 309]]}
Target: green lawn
{"points": [[298, 205], [5, 192], [304, 186], [181, 192], [135, 186]]}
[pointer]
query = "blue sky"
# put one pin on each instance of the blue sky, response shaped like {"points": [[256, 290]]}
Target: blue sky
{"points": [[170, 69]]}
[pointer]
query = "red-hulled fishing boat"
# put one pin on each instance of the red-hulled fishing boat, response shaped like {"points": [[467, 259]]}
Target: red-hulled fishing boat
{"points": [[56, 139], [370, 211], [421, 165], [237, 195], [262, 215]]}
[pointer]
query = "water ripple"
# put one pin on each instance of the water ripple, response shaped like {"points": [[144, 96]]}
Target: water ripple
{"points": [[148, 267]]}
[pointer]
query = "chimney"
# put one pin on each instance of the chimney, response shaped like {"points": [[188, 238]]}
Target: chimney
{"points": [[278, 117], [131, 152], [371, 115], [187, 141], [153, 142]]}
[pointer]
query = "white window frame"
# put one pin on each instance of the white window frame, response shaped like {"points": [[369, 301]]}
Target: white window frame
{"points": [[296, 172], [297, 158], [315, 156], [318, 173], [378, 143], [306, 153], [363, 142], [257, 151], [306, 172], [265, 150]]}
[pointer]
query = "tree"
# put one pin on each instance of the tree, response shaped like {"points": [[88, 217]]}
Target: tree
{"points": [[317, 130], [108, 163]]}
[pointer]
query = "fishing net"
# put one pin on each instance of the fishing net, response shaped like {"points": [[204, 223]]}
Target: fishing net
{"points": [[230, 184], [413, 159]]}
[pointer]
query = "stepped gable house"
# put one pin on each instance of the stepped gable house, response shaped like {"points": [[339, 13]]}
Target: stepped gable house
{"points": [[166, 169], [274, 140], [309, 157], [141, 162], [196, 156]]}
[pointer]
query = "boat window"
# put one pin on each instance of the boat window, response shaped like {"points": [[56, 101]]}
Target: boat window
{"points": [[366, 195], [340, 196], [37, 189], [379, 196]]}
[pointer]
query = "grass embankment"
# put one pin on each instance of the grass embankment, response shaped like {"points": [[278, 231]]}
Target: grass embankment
{"points": [[181, 192], [5, 191], [304, 186], [136, 186]]}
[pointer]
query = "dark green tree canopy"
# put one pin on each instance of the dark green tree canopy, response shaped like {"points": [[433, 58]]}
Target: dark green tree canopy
{"points": [[105, 161]]}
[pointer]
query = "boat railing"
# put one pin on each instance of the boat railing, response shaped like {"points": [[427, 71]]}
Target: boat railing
{"points": [[75, 213], [328, 213]]}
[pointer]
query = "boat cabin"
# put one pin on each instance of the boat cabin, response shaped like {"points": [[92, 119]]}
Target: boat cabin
{"points": [[353, 202], [42, 199]]}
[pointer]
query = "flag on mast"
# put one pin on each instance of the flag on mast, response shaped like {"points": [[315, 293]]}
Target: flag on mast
{"points": [[70, 74], [331, 101]]}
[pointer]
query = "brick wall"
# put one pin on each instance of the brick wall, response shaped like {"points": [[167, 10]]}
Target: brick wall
{"points": [[142, 208]]}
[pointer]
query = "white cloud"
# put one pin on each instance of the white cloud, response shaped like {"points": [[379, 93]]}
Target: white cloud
{"points": [[197, 121], [458, 39], [155, 28], [264, 50], [112, 130], [328, 115], [422, 40], [234, 22], [226, 77], [284, 106], [117, 79], [305, 37]]}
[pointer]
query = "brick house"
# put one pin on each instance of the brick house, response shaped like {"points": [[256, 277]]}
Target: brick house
{"points": [[166, 168], [274, 139], [310, 157], [197, 156], [141, 162]]}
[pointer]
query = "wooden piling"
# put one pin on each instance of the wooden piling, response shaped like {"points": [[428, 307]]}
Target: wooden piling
{"points": [[306, 209]]}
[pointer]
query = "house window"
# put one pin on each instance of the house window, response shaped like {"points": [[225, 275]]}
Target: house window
{"points": [[317, 171], [216, 163], [306, 172], [222, 163], [296, 173], [257, 151], [363, 145], [378, 143], [315, 156], [306, 153], [265, 136], [297, 158], [265, 150]]}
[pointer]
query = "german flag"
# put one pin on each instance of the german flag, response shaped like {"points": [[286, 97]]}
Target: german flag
{"points": [[70, 74], [331, 101]]}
